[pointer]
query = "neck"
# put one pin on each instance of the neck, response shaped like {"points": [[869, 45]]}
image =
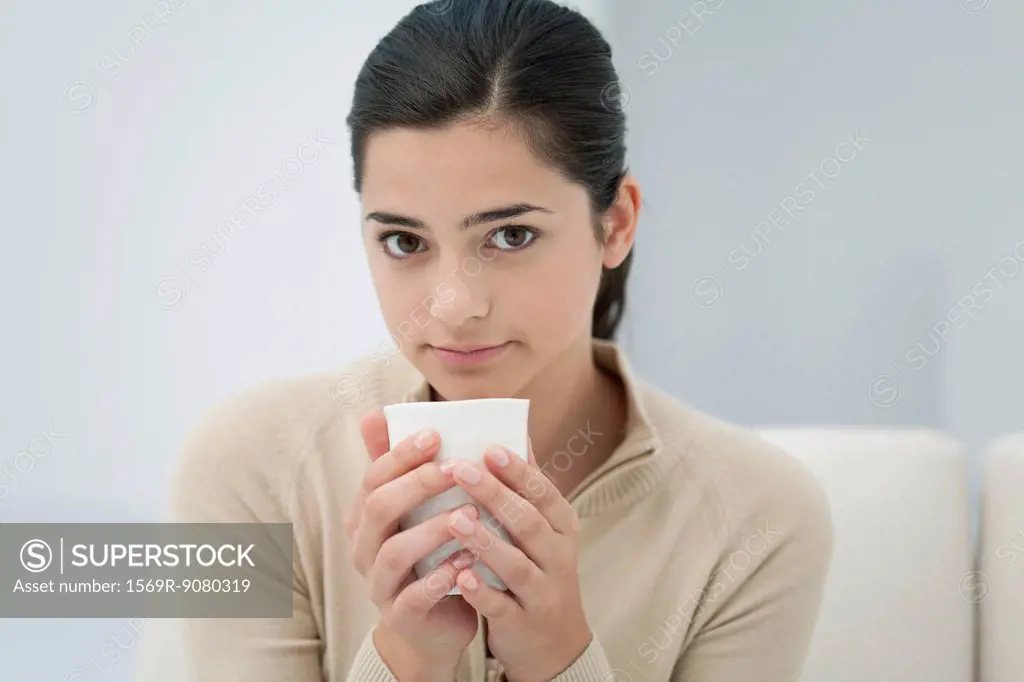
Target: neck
{"points": [[577, 414]]}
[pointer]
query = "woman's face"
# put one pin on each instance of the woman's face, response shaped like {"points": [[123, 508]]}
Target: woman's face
{"points": [[473, 243]]}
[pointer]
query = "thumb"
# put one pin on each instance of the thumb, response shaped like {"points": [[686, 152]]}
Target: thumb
{"points": [[374, 428]]}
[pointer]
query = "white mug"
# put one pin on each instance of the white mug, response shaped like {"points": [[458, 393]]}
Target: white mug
{"points": [[467, 428]]}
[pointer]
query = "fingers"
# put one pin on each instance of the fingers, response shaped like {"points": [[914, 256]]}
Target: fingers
{"points": [[531, 483], [507, 561], [489, 602], [421, 596], [523, 521], [374, 428], [405, 456], [399, 554], [385, 506]]}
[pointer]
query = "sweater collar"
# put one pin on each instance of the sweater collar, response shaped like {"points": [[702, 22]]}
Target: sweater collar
{"points": [[641, 441], [640, 463], [640, 432]]}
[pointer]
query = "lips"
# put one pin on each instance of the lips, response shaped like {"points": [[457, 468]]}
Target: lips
{"points": [[466, 354], [457, 348]]}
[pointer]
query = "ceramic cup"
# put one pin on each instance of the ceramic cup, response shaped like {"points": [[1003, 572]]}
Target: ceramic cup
{"points": [[467, 428]]}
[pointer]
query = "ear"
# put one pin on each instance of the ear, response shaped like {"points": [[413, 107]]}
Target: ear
{"points": [[619, 223]]}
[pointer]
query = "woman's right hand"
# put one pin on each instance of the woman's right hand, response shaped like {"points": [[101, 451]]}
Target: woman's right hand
{"points": [[420, 630]]}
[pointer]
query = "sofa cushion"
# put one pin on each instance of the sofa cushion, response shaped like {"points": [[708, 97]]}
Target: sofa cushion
{"points": [[1000, 582], [892, 609]]}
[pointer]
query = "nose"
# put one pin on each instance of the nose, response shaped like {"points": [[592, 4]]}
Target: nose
{"points": [[460, 295]]}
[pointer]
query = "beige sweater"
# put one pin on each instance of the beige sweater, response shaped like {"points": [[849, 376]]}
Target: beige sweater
{"points": [[703, 549]]}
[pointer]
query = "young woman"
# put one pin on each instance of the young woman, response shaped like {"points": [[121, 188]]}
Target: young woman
{"points": [[649, 541]]}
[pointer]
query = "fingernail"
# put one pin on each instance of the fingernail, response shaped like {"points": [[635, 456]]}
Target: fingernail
{"points": [[463, 560], [448, 465], [461, 523], [426, 439], [468, 473], [469, 581], [497, 455]]}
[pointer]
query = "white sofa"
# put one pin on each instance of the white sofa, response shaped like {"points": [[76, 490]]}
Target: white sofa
{"points": [[893, 609], [1001, 568]]}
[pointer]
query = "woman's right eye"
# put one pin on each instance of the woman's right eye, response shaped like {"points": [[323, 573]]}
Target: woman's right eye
{"points": [[400, 244]]}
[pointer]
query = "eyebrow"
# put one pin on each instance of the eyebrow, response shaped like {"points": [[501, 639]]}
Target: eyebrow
{"points": [[469, 222]]}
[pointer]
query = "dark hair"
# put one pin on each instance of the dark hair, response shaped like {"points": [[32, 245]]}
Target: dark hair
{"points": [[537, 65]]}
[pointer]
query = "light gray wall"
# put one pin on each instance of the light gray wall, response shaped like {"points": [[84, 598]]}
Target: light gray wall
{"points": [[130, 161], [731, 111]]}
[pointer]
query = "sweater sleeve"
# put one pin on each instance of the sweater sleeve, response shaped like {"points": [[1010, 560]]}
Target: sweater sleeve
{"points": [[762, 602], [368, 666], [591, 666]]}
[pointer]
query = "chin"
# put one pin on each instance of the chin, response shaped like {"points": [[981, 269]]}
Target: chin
{"points": [[452, 387], [454, 384]]}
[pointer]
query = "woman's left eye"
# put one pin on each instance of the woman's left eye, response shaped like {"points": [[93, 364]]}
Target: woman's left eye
{"points": [[513, 237]]}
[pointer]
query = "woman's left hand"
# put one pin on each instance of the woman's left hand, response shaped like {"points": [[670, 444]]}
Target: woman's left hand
{"points": [[537, 629]]}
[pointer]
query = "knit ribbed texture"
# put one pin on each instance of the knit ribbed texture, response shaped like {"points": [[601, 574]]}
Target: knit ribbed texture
{"points": [[591, 666], [627, 485], [368, 666]]}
